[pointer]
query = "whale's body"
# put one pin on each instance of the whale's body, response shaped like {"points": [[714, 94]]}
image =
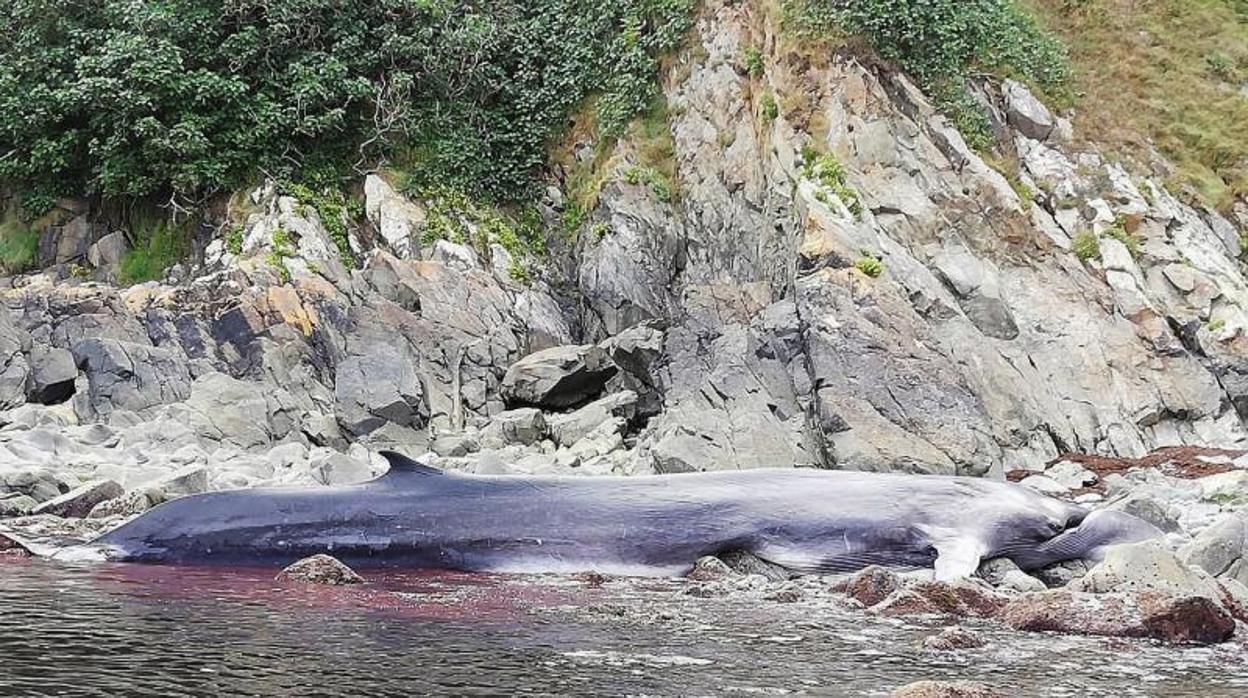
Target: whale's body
{"points": [[805, 520]]}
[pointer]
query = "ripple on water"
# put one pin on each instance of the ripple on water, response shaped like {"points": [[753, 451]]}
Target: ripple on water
{"points": [[105, 630]]}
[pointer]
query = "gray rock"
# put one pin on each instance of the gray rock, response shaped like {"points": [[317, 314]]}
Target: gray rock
{"points": [[710, 569], [1070, 475], [1147, 566], [13, 366], [341, 469], [52, 376], [455, 445], [1062, 573], [1003, 573], [78, 502], [951, 639], [128, 376], [39, 484], [399, 221], [1218, 547], [567, 429], [1025, 112], [187, 481], [377, 385], [132, 503], [106, 253], [1043, 484], [16, 504], [742, 562], [525, 425], [1150, 509], [320, 569], [947, 689], [558, 377]]}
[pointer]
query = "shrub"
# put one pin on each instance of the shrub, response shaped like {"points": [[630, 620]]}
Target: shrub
{"points": [[234, 240], [754, 62], [1086, 246], [869, 265], [1118, 231], [770, 109], [126, 98], [829, 173]]}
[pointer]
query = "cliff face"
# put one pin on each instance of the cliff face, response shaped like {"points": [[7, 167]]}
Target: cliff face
{"points": [[837, 281]]}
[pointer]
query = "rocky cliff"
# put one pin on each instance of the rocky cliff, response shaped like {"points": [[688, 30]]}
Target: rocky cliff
{"points": [[830, 278]]}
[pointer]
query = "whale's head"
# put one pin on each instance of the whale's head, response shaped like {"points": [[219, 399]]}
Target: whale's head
{"points": [[1088, 540], [1034, 530]]}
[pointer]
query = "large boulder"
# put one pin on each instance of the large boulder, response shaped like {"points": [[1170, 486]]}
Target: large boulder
{"points": [[128, 376], [379, 384], [1147, 614], [558, 377], [1221, 548], [52, 375], [567, 429], [399, 221], [1026, 113]]}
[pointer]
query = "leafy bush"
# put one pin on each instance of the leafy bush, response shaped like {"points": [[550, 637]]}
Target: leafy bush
{"points": [[126, 98], [754, 62], [770, 109]]}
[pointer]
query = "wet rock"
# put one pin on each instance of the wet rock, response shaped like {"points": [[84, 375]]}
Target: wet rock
{"points": [[710, 569], [789, 593], [743, 562], [952, 638], [869, 586], [1003, 573], [1060, 574], [947, 689], [1146, 566], [1146, 614], [960, 599], [12, 548], [558, 377], [78, 502], [320, 569]]}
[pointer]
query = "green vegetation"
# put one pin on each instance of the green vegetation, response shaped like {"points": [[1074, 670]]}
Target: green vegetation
{"points": [[754, 62], [19, 243], [1086, 246], [870, 265], [130, 99], [234, 240], [1216, 325], [1163, 72], [334, 211], [600, 231], [942, 43], [1118, 231], [828, 172], [454, 216], [282, 248], [769, 107], [154, 249]]}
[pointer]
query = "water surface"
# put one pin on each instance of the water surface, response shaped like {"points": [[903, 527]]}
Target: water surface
{"points": [[106, 630]]}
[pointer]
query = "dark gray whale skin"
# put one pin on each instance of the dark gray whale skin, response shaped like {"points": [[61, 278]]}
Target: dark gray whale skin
{"points": [[807, 520]]}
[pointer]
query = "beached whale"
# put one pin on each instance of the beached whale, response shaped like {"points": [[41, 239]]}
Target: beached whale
{"points": [[806, 520]]}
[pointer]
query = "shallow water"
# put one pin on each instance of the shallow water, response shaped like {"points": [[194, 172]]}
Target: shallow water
{"points": [[125, 629]]}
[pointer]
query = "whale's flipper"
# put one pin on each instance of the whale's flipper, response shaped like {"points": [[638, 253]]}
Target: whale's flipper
{"points": [[957, 555], [402, 465]]}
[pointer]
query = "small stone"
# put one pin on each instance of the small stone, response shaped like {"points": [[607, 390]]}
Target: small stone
{"points": [[785, 594], [320, 569], [952, 638]]}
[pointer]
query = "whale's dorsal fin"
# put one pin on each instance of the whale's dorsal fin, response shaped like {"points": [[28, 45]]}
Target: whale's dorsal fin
{"points": [[402, 465]]}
